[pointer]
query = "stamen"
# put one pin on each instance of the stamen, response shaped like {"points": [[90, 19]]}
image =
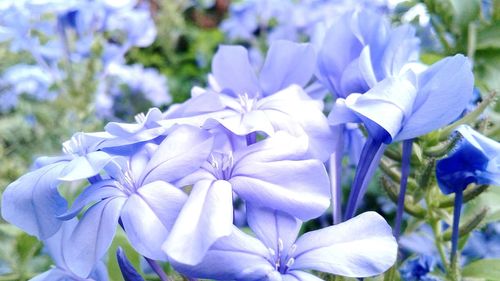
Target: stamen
{"points": [[290, 262], [280, 245], [140, 118], [271, 251]]}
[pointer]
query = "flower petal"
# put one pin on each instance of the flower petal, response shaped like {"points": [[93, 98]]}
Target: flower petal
{"points": [[276, 229], [386, 105], [93, 235], [149, 215], [276, 173], [94, 193], [232, 71], [84, 167], [246, 255], [444, 90], [287, 63], [206, 217], [33, 203], [360, 247], [181, 153]]}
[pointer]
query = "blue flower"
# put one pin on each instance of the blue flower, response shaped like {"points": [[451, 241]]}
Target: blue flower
{"points": [[483, 244], [30, 80], [62, 271], [276, 173], [476, 159], [418, 269], [246, 104], [361, 49], [361, 247], [138, 193], [128, 87]]}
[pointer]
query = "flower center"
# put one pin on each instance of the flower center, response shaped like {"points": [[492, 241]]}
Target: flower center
{"points": [[282, 261], [75, 145], [247, 104], [222, 164]]}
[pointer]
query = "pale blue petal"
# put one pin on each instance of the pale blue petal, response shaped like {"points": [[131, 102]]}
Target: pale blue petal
{"points": [[276, 229], [84, 167], [387, 105], [93, 235], [181, 153], [148, 216], [294, 111], [236, 257], [297, 275], [274, 173], [444, 90], [342, 114], [94, 193], [232, 71], [242, 124], [128, 129], [352, 80], [287, 63], [55, 243], [402, 48], [33, 203], [339, 48], [360, 247], [55, 274], [206, 217]]}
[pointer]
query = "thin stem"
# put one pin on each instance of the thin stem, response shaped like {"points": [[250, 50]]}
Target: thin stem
{"points": [[156, 268], [436, 227], [361, 177], [335, 177], [438, 241], [456, 221], [405, 172]]}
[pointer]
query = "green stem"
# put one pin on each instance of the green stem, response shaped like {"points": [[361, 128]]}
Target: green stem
{"points": [[436, 228], [390, 275]]}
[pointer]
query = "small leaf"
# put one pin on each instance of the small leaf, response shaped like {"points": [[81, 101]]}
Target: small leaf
{"points": [[488, 269], [464, 12], [489, 37]]}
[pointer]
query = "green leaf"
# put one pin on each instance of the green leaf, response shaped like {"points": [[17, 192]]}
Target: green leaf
{"points": [[464, 12], [27, 246], [488, 199], [489, 37], [487, 269], [134, 258], [487, 72]]}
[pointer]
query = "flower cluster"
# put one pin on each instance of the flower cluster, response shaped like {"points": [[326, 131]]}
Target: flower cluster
{"points": [[73, 41], [257, 143]]}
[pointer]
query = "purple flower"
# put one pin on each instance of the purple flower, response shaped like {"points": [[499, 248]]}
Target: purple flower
{"points": [[33, 203], [126, 88], [139, 194], [361, 49], [403, 108], [62, 271], [246, 104], [361, 247], [23, 79], [276, 173]]}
